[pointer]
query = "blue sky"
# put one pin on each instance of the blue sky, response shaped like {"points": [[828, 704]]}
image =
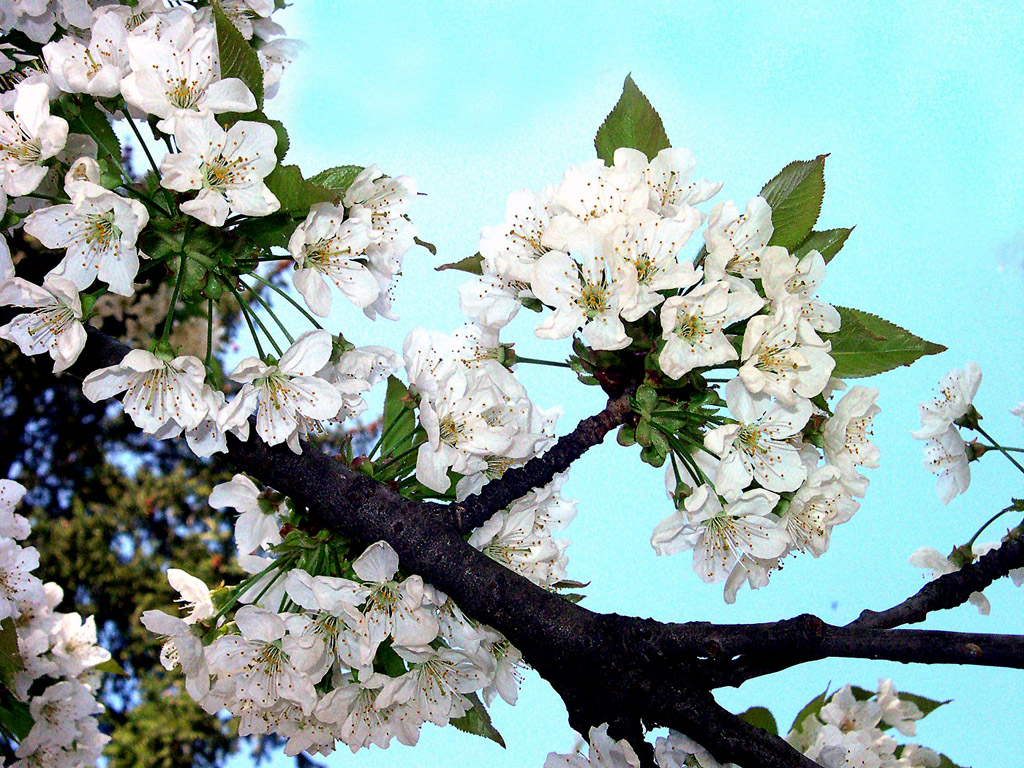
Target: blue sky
{"points": [[920, 107]]}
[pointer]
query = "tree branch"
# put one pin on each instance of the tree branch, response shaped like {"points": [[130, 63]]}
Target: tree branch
{"points": [[538, 472], [948, 591]]}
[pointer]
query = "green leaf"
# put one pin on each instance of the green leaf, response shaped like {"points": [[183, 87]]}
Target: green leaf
{"points": [[762, 718], [472, 264], [795, 198], [92, 121], [827, 242], [813, 707], [111, 667], [478, 722], [269, 231], [399, 419], [10, 657], [927, 706], [945, 762], [338, 179], [295, 193], [866, 344], [15, 716], [237, 57], [634, 123], [424, 244]]}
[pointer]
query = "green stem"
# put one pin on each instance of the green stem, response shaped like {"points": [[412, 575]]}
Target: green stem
{"points": [[51, 198], [996, 516], [245, 585], [149, 156], [998, 447], [293, 302], [245, 313], [387, 431], [209, 334], [535, 361], [394, 460], [169, 320], [270, 312], [1005, 448]]}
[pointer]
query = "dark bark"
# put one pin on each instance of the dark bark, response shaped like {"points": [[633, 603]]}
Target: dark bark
{"points": [[633, 673]]}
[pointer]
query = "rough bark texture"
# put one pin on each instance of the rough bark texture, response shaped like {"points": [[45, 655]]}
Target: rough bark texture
{"points": [[633, 673]]}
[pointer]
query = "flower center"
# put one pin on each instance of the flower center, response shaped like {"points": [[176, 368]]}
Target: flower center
{"points": [[450, 431], [593, 299], [185, 94], [691, 328], [100, 229]]}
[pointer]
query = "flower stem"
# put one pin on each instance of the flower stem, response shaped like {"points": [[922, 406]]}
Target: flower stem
{"points": [[245, 313], [152, 162], [387, 431], [284, 293], [169, 320], [535, 361], [998, 447], [209, 334], [989, 522], [282, 326]]}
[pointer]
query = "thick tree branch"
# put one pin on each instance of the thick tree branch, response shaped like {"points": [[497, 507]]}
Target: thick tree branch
{"points": [[538, 472], [948, 591], [630, 672]]}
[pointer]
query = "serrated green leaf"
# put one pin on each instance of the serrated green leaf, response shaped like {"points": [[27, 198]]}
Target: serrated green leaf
{"points": [[399, 425], [827, 242], [295, 193], [473, 264], [634, 123], [866, 345], [338, 179], [813, 707], [795, 198], [92, 121], [760, 717], [237, 57], [10, 657], [478, 722]]}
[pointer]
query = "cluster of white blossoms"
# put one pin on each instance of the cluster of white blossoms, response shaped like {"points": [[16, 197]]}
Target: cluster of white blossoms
{"points": [[602, 250], [160, 62], [849, 731], [321, 649], [945, 451], [54, 675]]}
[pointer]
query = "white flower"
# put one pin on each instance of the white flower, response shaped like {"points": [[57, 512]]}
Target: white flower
{"points": [[281, 394], [157, 391], [586, 290], [17, 584], [432, 689], [28, 138], [55, 324], [759, 447], [846, 436], [693, 327], [195, 595], [783, 356], [176, 76], [227, 167], [512, 248], [649, 245], [260, 661], [512, 539], [956, 392], [181, 646], [329, 247], [675, 751], [98, 229], [604, 753], [12, 526], [899, 714], [95, 69], [1018, 411], [946, 456], [940, 565], [672, 194], [735, 241], [821, 503], [391, 608], [74, 645], [785, 275], [721, 537], [255, 527], [57, 715]]}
